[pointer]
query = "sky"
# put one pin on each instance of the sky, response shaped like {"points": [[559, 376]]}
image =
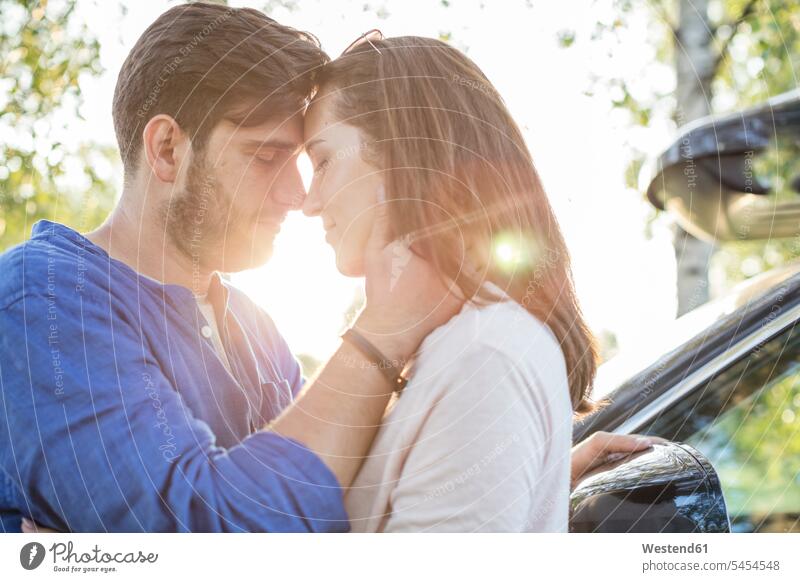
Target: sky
{"points": [[625, 280]]}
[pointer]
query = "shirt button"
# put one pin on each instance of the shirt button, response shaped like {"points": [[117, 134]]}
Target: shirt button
{"points": [[206, 331]]}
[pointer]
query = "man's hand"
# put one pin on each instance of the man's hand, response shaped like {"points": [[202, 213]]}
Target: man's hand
{"points": [[604, 447], [406, 297]]}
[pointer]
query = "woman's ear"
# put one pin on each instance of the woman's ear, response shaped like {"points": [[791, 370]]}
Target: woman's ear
{"points": [[165, 147], [477, 254]]}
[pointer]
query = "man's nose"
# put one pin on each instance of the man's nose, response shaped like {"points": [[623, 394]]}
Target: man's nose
{"points": [[289, 189]]}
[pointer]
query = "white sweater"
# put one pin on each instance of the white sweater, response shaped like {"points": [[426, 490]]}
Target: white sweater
{"points": [[480, 438]]}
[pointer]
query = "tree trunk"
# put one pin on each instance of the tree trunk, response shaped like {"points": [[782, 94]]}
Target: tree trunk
{"points": [[695, 67]]}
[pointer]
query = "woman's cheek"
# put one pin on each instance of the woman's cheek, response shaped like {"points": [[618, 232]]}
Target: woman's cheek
{"points": [[352, 248]]}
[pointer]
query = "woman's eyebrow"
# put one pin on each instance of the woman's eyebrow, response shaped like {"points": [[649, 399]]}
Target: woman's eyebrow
{"points": [[312, 144]]}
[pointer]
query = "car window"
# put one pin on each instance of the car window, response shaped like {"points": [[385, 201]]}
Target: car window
{"points": [[746, 420]]}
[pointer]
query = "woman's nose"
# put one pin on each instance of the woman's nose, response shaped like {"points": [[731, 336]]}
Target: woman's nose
{"points": [[312, 205]]}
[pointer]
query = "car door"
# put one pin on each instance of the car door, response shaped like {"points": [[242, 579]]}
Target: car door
{"points": [[746, 420]]}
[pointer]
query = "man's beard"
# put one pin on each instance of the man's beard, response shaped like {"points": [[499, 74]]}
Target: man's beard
{"points": [[196, 218]]}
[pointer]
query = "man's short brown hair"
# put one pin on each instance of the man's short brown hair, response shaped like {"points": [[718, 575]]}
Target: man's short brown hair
{"points": [[201, 63]]}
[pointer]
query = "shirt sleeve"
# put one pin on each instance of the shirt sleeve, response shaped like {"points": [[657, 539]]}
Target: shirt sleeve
{"points": [[101, 441], [476, 462]]}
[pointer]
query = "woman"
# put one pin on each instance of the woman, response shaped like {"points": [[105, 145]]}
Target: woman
{"points": [[479, 439]]}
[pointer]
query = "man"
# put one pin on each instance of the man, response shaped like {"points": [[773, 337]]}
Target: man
{"points": [[142, 392]]}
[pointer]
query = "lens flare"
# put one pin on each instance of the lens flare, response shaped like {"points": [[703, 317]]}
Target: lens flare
{"points": [[514, 251]]}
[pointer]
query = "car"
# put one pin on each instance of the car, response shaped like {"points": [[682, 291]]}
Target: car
{"points": [[722, 383]]}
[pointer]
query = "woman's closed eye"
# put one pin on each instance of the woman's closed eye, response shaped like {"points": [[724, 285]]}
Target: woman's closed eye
{"points": [[321, 166]]}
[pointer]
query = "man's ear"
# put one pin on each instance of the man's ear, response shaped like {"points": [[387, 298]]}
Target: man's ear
{"points": [[166, 146]]}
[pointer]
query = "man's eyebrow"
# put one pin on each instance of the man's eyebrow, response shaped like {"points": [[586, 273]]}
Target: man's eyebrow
{"points": [[313, 143], [278, 144]]}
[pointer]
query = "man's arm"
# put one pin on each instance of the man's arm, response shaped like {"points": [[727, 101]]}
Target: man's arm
{"points": [[100, 440]]}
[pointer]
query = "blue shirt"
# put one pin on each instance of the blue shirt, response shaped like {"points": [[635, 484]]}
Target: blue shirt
{"points": [[118, 415]]}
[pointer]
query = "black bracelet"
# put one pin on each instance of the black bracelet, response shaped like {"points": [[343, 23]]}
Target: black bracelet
{"points": [[373, 354]]}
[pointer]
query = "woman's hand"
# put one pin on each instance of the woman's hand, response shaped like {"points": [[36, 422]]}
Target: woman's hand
{"points": [[29, 526], [603, 447], [406, 297]]}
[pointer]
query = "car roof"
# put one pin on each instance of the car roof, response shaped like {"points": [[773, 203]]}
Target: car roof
{"points": [[634, 378]]}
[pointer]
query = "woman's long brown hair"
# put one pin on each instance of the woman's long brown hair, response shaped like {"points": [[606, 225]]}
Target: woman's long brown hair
{"points": [[462, 183]]}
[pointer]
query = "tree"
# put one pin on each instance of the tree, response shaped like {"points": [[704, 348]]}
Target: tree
{"points": [[724, 55], [695, 64], [45, 54]]}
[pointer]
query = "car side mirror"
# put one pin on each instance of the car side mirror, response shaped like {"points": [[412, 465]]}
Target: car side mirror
{"points": [[671, 488], [733, 177]]}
